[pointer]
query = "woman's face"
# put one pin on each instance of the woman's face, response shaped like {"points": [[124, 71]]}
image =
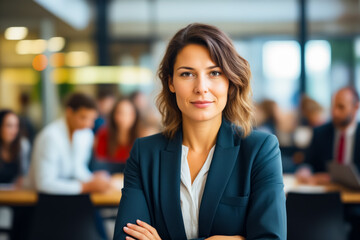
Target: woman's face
{"points": [[125, 115], [200, 86], [10, 128]]}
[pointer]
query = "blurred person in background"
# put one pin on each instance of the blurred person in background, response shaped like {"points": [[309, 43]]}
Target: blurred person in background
{"points": [[114, 141], [337, 140], [14, 149], [62, 151], [312, 113], [267, 116], [105, 102], [27, 128], [149, 119]]}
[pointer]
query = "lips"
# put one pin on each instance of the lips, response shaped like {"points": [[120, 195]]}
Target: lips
{"points": [[202, 104]]}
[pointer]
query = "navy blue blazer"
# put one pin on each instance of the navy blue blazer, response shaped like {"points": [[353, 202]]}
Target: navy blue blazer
{"points": [[243, 194], [321, 149]]}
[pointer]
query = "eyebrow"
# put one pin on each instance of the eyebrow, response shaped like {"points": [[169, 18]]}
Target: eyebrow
{"points": [[190, 68]]}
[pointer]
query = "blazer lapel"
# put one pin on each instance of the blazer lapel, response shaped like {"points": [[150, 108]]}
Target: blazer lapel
{"points": [[170, 166], [222, 164]]}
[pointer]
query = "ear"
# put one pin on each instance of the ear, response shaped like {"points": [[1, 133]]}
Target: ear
{"points": [[171, 85], [357, 105]]}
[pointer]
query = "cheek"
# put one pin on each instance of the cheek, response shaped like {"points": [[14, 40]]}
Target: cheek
{"points": [[221, 91]]}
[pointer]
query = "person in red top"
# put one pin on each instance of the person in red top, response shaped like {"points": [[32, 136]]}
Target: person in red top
{"points": [[114, 141]]}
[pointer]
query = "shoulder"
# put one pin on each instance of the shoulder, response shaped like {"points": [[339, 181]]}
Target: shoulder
{"points": [[156, 141], [258, 145], [256, 138], [54, 129], [324, 128]]}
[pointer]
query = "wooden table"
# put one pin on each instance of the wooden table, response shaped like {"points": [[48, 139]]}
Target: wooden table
{"points": [[112, 197], [348, 196], [22, 197]]}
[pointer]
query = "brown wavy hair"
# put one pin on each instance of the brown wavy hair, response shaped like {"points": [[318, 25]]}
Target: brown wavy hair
{"points": [[15, 146], [239, 106]]}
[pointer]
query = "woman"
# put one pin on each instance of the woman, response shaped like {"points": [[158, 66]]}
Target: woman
{"points": [[14, 150], [114, 142], [207, 175]]}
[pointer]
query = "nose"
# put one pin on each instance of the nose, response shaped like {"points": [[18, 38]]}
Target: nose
{"points": [[201, 84]]}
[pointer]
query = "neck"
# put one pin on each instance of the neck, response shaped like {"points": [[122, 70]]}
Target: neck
{"points": [[122, 135], [200, 136], [70, 129]]}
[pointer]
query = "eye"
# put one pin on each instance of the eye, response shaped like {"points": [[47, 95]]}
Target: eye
{"points": [[186, 74], [215, 73]]}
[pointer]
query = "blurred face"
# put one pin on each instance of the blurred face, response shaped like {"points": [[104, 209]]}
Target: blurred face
{"points": [[125, 115], [82, 118], [10, 128], [343, 108], [200, 86]]}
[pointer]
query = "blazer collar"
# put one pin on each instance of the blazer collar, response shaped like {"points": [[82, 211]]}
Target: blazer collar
{"points": [[170, 165], [223, 161]]}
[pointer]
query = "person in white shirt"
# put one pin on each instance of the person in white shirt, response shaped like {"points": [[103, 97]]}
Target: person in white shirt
{"points": [[334, 141], [62, 151]]}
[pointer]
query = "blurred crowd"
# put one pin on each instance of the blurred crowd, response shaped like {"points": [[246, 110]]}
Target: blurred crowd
{"points": [[91, 140], [116, 122], [78, 152]]}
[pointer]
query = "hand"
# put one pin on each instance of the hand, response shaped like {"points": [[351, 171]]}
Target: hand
{"points": [[101, 174], [218, 237], [19, 183], [141, 231], [322, 178], [100, 182], [304, 175]]}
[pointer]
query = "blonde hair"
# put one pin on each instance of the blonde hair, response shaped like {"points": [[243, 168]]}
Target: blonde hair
{"points": [[239, 106]]}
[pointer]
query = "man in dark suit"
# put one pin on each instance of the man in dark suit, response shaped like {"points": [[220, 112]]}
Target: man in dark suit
{"points": [[334, 141]]}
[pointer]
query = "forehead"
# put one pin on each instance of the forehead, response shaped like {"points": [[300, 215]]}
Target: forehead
{"points": [[85, 111], [11, 117], [343, 97], [195, 55], [124, 104]]}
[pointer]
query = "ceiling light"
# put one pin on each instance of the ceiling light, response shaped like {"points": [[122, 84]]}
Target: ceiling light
{"points": [[31, 46], [16, 33], [77, 59], [56, 44]]}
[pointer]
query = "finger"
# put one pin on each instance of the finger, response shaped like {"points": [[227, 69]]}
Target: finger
{"points": [[129, 238], [134, 233], [138, 232], [149, 228]]}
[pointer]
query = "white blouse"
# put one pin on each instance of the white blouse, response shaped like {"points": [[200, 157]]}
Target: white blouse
{"points": [[191, 194]]}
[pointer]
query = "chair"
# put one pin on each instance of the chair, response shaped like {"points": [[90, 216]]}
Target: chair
{"points": [[315, 216], [60, 217]]}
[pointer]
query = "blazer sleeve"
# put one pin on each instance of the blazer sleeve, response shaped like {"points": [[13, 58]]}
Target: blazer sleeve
{"points": [[133, 204], [267, 211]]}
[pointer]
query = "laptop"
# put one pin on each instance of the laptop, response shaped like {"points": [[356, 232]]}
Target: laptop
{"points": [[346, 175]]}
